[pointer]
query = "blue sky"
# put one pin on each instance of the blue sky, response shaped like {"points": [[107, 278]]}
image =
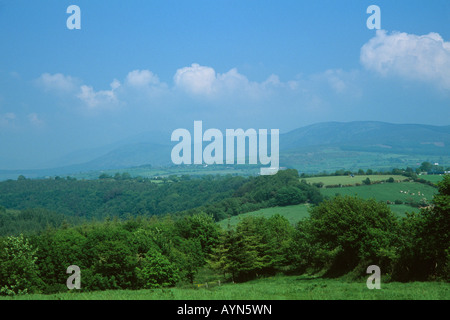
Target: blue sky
{"points": [[139, 66]]}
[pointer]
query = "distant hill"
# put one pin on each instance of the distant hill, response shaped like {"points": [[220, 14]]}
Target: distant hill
{"points": [[313, 148], [371, 137]]}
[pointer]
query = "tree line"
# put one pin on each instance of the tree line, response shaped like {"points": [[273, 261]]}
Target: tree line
{"points": [[342, 236], [54, 202]]}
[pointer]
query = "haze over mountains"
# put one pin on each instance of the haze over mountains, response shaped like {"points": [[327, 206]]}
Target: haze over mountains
{"points": [[154, 148], [372, 136]]}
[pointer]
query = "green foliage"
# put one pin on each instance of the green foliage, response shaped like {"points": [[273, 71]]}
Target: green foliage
{"points": [[18, 272], [201, 227], [156, 271], [426, 240], [255, 193], [292, 287], [425, 166], [287, 196], [30, 221], [151, 249], [257, 246], [344, 233], [121, 196]]}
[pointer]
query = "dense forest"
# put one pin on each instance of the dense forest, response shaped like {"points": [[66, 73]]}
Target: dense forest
{"points": [[342, 236], [54, 201]]}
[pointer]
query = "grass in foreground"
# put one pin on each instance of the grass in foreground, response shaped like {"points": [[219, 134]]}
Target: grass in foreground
{"points": [[274, 288]]}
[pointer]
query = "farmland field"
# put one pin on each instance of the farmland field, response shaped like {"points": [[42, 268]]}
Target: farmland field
{"points": [[347, 180], [292, 213], [386, 191], [413, 191], [401, 209], [192, 170], [433, 178], [273, 288]]}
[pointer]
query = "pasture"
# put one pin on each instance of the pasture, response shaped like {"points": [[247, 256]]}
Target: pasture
{"points": [[348, 180], [292, 213], [272, 288], [403, 191], [435, 178]]}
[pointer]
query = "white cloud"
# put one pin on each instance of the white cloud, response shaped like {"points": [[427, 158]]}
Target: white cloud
{"points": [[202, 80], [196, 79], [142, 88], [96, 99], [142, 78], [115, 84], [57, 82], [414, 57]]}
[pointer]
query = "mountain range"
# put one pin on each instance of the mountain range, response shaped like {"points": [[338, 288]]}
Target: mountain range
{"points": [[349, 138]]}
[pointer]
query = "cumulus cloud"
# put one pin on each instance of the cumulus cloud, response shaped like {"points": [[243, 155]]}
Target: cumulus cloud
{"points": [[196, 79], [57, 82], [203, 80], [103, 98], [414, 57], [143, 88], [141, 78]]}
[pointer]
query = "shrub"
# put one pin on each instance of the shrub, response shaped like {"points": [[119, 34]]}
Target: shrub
{"points": [[344, 233], [318, 184], [18, 273], [289, 196], [157, 271]]}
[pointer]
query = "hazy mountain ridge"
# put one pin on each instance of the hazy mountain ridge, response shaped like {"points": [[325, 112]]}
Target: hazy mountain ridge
{"points": [[364, 134], [361, 136]]}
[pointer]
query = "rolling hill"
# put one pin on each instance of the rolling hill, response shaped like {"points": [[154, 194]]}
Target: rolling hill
{"points": [[319, 147], [372, 137]]}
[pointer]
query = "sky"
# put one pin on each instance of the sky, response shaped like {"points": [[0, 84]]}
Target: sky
{"points": [[139, 65]]}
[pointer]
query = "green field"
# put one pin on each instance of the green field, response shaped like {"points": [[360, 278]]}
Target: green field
{"points": [[192, 170], [292, 213], [273, 288], [403, 191], [386, 191], [401, 209], [348, 180], [433, 178], [325, 158], [381, 192]]}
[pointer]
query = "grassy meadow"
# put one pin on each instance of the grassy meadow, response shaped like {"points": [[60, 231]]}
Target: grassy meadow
{"points": [[348, 180], [381, 192], [412, 191], [435, 178], [292, 213], [273, 288]]}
